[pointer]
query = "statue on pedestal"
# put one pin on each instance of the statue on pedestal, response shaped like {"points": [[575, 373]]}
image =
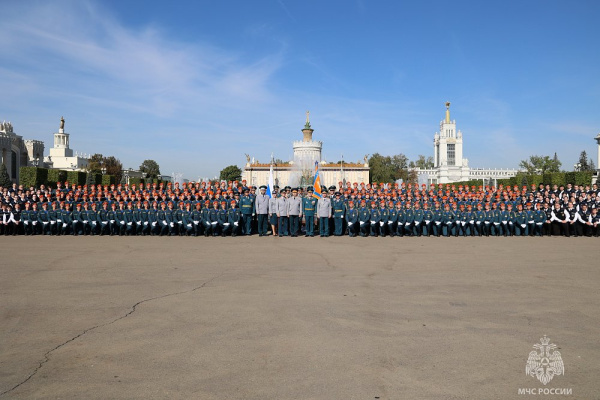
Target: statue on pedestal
{"points": [[62, 123]]}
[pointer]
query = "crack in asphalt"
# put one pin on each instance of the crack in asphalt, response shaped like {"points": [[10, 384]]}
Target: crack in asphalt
{"points": [[133, 309]]}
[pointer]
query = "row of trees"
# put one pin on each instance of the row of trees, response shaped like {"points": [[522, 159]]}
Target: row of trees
{"points": [[539, 165], [391, 168], [111, 165]]}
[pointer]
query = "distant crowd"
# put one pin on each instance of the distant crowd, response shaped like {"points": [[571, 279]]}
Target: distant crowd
{"points": [[235, 209]]}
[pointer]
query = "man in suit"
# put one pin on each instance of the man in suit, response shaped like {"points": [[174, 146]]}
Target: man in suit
{"points": [[261, 205], [324, 214], [294, 212]]}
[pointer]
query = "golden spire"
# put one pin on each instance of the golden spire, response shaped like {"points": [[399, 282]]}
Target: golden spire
{"points": [[447, 112]]}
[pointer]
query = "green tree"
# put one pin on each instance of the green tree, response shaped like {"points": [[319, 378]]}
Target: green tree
{"points": [[4, 178], [113, 167], [423, 162], [386, 169], [95, 164], [400, 165], [555, 165], [539, 165], [151, 168], [231, 173], [586, 164]]}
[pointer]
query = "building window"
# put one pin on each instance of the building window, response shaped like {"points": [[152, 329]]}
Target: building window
{"points": [[451, 154]]}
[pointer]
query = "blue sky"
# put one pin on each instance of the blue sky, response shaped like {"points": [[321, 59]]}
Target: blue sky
{"points": [[195, 85]]}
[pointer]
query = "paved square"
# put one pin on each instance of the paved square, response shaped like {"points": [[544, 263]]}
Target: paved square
{"points": [[305, 318]]}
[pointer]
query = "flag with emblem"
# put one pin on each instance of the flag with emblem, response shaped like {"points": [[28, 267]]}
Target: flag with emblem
{"points": [[317, 182]]}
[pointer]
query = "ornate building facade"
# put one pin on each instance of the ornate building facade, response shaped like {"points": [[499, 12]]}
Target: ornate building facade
{"points": [[300, 170], [16, 152], [448, 162], [61, 155]]}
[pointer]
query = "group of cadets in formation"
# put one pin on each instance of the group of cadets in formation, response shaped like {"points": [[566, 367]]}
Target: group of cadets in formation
{"points": [[221, 209]]}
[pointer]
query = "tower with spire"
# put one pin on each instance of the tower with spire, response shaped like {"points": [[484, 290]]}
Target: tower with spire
{"points": [[307, 150], [448, 151]]}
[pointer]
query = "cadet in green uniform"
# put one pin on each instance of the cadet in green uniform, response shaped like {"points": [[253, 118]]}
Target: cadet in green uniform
{"points": [[223, 219], [179, 220], [520, 223], [427, 220], [530, 220], [309, 206], [213, 218], [392, 219], [66, 220], [77, 216], [511, 218], [539, 219], [447, 220], [364, 216], [27, 221], [400, 220], [409, 220], [339, 210], [384, 214], [233, 217], [113, 221], [44, 220], [54, 214], [196, 217], [162, 220], [94, 220], [352, 219], [418, 220], [247, 209], [103, 221]]}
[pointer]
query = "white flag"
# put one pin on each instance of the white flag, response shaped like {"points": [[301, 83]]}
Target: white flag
{"points": [[270, 185]]}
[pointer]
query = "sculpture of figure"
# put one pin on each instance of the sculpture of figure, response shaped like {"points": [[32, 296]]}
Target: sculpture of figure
{"points": [[62, 122], [247, 158], [366, 158]]}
